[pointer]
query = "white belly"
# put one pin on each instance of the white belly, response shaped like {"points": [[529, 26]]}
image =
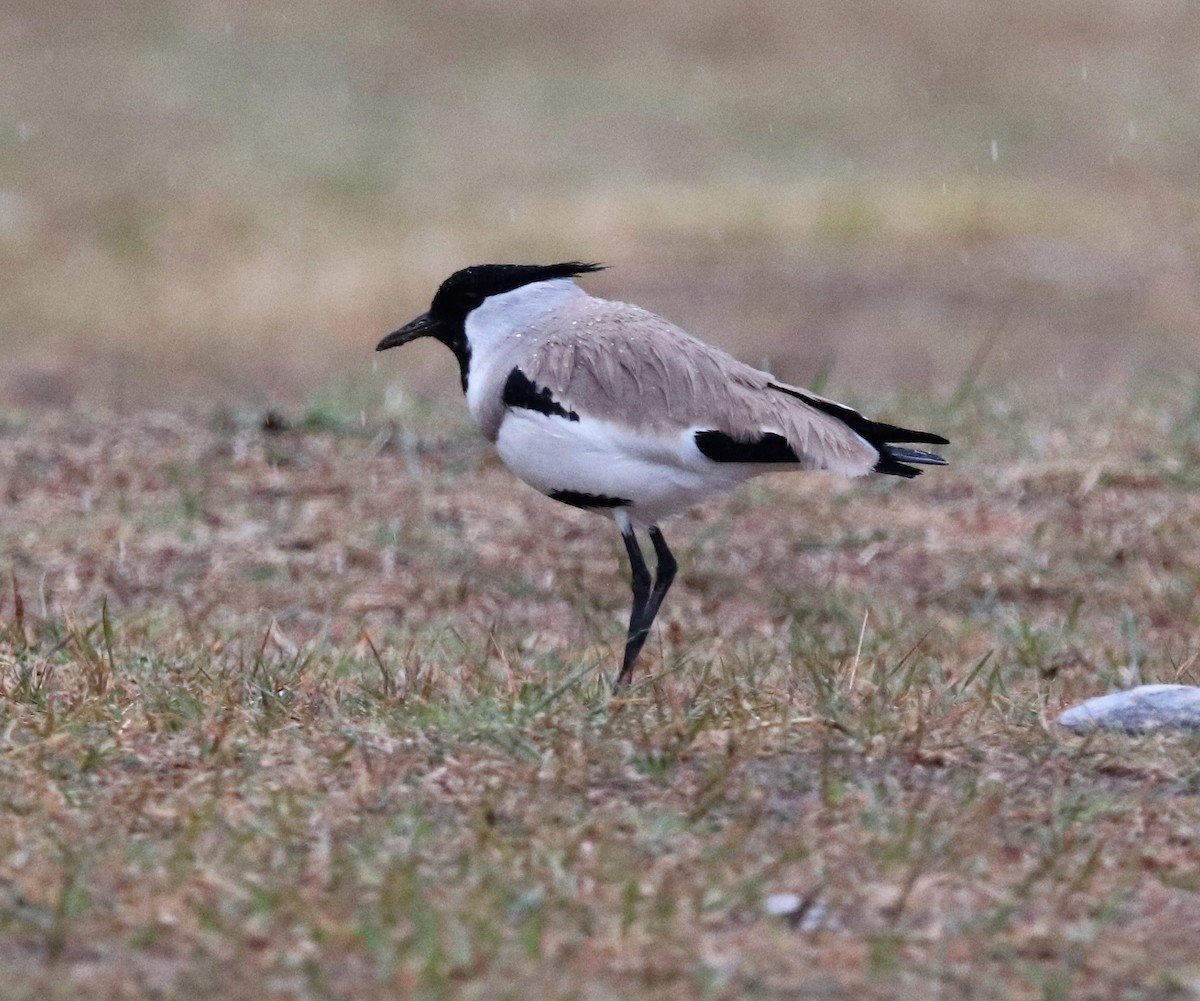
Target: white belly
{"points": [[659, 476]]}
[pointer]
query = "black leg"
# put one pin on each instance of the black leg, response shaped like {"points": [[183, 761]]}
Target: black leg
{"points": [[640, 579], [646, 601], [664, 574]]}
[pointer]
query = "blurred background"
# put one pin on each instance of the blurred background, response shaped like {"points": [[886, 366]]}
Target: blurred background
{"points": [[207, 202]]}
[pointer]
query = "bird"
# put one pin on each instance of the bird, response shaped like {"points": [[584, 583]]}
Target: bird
{"points": [[607, 407]]}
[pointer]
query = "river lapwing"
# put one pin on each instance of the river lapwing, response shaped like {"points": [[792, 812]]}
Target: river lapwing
{"points": [[610, 408]]}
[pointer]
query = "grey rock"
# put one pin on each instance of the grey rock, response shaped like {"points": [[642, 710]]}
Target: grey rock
{"points": [[1144, 709]]}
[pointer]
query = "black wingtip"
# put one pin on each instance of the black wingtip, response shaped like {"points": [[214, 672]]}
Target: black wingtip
{"points": [[891, 432], [875, 432]]}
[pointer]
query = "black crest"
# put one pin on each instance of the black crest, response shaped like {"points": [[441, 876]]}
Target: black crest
{"points": [[464, 290]]}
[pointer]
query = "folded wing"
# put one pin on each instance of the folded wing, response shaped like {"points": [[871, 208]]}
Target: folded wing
{"points": [[617, 362]]}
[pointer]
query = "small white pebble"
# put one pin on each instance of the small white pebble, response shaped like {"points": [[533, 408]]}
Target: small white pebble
{"points": [[802, 913], [780, 905]]}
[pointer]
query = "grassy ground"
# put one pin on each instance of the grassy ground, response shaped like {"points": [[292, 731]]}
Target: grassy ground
{"points": [[324, 713]]}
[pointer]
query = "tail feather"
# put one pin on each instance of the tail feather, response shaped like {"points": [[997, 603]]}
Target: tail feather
{"points": [[892, 458]]}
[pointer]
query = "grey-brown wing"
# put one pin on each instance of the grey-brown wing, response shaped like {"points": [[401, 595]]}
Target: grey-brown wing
{"points": [[617, 362]]}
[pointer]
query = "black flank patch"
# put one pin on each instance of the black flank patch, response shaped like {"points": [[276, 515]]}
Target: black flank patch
{"points": [[523, 393], [587, 501], [720, 447]]}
